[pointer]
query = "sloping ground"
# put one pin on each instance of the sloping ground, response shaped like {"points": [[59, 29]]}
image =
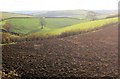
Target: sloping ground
{"points": [[25, 25], [6, 15], [54, 26], [91, 55]]}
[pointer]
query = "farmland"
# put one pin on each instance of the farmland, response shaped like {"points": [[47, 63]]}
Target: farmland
{"points": [[65, 47], [87, 56], [30, 28]]}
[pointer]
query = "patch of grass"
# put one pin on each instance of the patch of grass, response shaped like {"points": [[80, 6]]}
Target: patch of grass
{"points": [[23, 26], [61, 22]]}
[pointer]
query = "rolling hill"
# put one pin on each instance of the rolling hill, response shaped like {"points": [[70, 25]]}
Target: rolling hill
{"points": [[29, 25], [81, 27], [80, 14], [22, 24], [58, 22], [106, 13], [5, 15]]}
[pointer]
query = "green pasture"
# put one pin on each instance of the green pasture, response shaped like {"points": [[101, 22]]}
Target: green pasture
{"points": [[54, 26], [30, 25]]}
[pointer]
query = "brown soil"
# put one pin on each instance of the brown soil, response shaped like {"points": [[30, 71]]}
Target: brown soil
{"points": [[89, 55]]}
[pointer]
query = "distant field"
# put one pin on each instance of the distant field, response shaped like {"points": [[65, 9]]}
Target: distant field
{"points": [[29, 25], [4, 15]]}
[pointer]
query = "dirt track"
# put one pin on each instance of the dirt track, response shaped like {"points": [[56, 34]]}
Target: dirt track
{"points": [[93, 54]]}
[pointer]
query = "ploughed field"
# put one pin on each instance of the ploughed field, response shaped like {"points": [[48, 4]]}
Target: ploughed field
{"points": [[88, 55]]}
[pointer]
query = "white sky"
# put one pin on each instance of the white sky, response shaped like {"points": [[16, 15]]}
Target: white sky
{"points": [[37, 5]]}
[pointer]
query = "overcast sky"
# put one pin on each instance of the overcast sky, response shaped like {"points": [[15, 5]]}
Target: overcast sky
{"points": [[38, 5]]}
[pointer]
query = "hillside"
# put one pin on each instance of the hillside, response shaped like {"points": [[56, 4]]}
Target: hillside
{"points": [[80, 14], [106, 13], [85, 56], [4, 15], [54, 26], [21, 24], [76, 28], [29, 25]]}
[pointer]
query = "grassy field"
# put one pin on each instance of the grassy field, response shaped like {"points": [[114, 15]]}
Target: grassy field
{"points": [[30, 25], [54, 26], [77, 27]]}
